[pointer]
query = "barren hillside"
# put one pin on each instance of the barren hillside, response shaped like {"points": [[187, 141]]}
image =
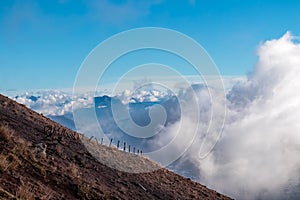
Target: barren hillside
{"points": [[39, 164]]}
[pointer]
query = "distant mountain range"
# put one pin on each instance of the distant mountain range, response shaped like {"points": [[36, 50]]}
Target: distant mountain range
{"points": [[139, 112]]}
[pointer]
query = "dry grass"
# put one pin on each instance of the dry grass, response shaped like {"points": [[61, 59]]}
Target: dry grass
{"points": [[9, 162], [7, 193], [28, 191], [24, 192], [46, 193], [5, 133], [59, 150], [5, 165], [18, 153], [87, 192], [73, 170]]}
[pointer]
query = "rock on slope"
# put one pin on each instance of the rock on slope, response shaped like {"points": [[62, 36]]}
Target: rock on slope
{"points": [[66, 170]]}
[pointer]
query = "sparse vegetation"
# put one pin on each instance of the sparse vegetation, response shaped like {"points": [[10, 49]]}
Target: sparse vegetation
{"points": [[5, 133], [25, 192], [6, 194], [9, 162], [73, 170]]}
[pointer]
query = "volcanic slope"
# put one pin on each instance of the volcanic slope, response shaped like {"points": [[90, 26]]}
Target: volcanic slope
{"points": [[40, 159]]}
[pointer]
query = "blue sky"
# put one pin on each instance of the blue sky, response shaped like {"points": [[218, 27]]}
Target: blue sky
{"points": [[43, 43]]}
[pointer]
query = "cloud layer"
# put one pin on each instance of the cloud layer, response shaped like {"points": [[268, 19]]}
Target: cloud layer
{"points": [[53, 102]]}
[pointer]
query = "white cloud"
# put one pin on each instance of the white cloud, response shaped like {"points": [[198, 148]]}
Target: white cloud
{"points": [[128, 96], [258, 157], [52, 102]]}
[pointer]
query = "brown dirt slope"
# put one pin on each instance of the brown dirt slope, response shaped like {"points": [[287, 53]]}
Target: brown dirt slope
{"points": [[66, 170]]}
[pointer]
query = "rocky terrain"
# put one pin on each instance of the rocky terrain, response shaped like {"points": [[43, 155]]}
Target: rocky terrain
{"points": [[40, 159]]}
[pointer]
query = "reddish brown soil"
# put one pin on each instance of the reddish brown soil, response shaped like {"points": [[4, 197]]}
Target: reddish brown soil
{"points": [[69, 171]]}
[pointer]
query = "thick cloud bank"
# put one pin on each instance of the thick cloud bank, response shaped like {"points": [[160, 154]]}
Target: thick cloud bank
{"points": [[54, 102], [258, 155]]}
